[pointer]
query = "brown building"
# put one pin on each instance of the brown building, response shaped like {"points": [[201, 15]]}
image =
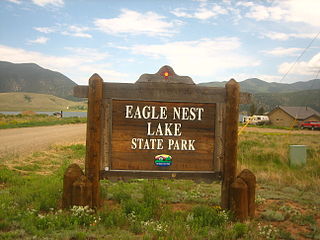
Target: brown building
{"points": [[292, 116]]}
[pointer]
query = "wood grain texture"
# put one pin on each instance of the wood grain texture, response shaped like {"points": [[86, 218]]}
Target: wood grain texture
{"points": [[94, 132], [123, 130], [198, 176], [162, 92], [239, 199], [219, 137], [72, 174], [106, 138], [82, 192], [231, 142], [171, 77], [250, 179]]}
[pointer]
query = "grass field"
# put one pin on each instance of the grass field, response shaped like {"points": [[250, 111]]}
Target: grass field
{"points": [[288, 199], [34, 120], [22, 101]]}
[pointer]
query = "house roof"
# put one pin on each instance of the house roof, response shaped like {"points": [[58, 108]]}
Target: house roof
{"points": [[300, 112]]}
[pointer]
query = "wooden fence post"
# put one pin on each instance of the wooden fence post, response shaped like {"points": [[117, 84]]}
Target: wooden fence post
{"points": [[71, 175], [239, 199], [231, 142], [250, 179], [82, 192], [93, 141]]}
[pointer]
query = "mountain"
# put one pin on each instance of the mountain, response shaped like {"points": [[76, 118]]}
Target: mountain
{"points": [[30, 77], [269, 101], [269, 95], [255, 85]]}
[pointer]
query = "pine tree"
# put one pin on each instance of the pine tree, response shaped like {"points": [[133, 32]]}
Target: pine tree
{"points": [[253, 109], [261, 110]]}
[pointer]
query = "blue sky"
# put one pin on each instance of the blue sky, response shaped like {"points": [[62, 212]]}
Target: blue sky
{"points": [[206, 40]]}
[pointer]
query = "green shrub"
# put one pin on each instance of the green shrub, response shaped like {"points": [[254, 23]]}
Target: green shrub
{"points": [[113, 218], [205, 216], [271, 215], [8, 176], [121, 196], [239, 230]]}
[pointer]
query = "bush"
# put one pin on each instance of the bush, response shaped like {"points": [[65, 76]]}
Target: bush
{"points": [[205, 216]]}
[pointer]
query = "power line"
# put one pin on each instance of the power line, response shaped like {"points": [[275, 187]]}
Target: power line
{"points": [[298, 58]]}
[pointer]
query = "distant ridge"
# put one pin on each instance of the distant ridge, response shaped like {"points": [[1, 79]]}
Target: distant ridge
{"points": [[269, 101], [269, 95], [30, 77], [255, 85]]}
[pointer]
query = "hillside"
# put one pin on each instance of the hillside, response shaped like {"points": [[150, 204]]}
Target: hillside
{"points": [[29, 77], [269, 101], [269, 95], [22, 101], [255, 85]]}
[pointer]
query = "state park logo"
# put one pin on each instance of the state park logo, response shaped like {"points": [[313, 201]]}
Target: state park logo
{"points": [[163, 160]]}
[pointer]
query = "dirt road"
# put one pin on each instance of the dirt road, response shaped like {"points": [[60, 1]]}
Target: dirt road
{"points": [[26, 140]]}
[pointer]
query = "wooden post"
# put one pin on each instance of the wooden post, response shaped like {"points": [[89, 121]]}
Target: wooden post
{"points": [[239, 199], [250, 179], [82, 192], [219, 137], [72, 173], [231, 142], [93, 141]]}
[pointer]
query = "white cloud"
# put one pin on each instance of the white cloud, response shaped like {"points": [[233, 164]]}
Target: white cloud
{"points": [[203, 13], [77, 31], [306, 11], [276, 36], [310, 67], [285, 36], [245, 4], [43, 3], [15, 1], [39, 40], [69, 30], [181, 12], [279, 51], [104, 70], [261, 12], [136, 23], [45, 29], [78, 66], [88, 54], [203, 57]]}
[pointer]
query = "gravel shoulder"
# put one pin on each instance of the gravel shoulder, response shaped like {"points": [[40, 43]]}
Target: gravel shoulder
{"points": [[27, 140]]}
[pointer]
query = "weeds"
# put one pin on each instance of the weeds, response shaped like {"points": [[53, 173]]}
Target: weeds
{"points": [[267, 156], [162, 209]]}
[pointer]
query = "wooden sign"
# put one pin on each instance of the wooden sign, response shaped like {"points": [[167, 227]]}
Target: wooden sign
{"points": [[162, 126], [162, 136]]}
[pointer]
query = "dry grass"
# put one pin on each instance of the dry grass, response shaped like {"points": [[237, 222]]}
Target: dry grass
{"points": [[46, 162], [287, 198], [266, 154], [20, 101]]}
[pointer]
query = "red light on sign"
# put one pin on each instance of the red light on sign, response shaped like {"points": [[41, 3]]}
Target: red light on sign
{"points": [[166, 74]]}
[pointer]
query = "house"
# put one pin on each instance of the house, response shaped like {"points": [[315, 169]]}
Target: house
{"points": [[292, 116]]}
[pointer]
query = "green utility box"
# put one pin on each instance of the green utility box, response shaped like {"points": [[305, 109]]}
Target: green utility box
{"points": [[297, 155]]}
